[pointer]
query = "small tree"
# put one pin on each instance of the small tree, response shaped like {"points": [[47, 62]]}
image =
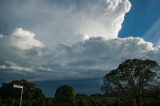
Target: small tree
{"points": [[131, 77], [65, 94]]}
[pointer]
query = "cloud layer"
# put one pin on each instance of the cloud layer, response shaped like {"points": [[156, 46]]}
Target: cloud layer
{"points": [[14, 67], [62, 40], [85, 59]]}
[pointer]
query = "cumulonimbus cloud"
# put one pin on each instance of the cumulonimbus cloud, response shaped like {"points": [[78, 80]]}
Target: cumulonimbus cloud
{"points": [[69, 21], [66, 25]]}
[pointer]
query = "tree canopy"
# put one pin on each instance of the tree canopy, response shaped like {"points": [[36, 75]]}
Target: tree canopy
{"points": [[65, 93], [131, 77], [29, 90]]}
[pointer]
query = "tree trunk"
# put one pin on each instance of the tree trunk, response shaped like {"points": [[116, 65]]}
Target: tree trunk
{"points": [[137, 101]]}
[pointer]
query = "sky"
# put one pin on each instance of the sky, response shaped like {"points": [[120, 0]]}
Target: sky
{"points": [[141, 19], [75, 39]]}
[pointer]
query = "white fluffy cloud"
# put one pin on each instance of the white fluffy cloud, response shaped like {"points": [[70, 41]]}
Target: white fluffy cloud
{"points": [[24, 40], [108, 22], [68, 22]]}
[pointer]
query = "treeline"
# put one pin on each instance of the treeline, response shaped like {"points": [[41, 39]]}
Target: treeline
{"points": [[69, 98], [133, 83]]}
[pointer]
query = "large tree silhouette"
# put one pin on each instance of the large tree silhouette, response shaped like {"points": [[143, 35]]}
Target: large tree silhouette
{"points": [[131, 77]]}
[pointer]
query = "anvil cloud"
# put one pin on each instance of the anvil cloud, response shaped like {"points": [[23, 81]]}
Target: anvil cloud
{"points": [[68, 39]]}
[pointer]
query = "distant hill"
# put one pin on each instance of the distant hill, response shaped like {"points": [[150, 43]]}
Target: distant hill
{"points": [[87, 86]]}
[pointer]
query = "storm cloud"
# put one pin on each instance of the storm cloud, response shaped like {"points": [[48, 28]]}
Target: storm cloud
{"points": [[90, 58], [64, 21], [42, 40]]}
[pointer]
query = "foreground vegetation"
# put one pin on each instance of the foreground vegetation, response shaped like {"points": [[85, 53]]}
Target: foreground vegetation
{"points": [[81, 101], [134, 83]]}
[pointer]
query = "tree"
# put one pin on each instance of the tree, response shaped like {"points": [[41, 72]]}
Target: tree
{"points": [[131, 77], [65, 94], [29, 90]]}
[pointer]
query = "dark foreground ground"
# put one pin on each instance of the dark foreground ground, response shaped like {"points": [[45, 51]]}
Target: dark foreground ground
{"points": [[81, 101]]}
